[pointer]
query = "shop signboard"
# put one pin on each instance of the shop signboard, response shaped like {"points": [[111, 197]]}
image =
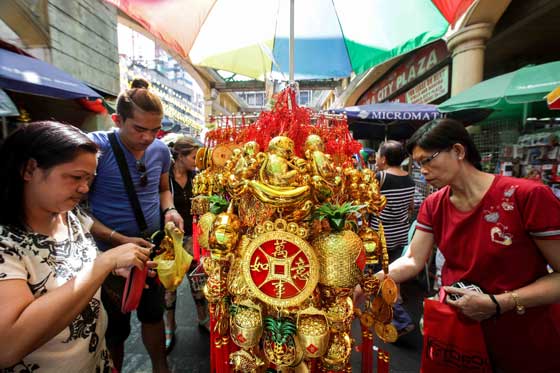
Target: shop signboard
{"points": [[410, 70], [428, 90]]}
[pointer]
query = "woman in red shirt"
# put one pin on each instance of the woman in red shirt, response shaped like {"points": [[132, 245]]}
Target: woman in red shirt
{"points": [[497, 232]]}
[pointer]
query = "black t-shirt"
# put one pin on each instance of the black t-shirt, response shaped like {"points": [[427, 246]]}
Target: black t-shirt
{"points": [[182, 201]]}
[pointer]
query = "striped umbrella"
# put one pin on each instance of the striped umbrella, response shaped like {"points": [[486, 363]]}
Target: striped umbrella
{"points": [[331, 38]]}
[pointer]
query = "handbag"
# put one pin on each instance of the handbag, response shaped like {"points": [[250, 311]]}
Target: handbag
{"points": [[452, 343], [136, 280]]}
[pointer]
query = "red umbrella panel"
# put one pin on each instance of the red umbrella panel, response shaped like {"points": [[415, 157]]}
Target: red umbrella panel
{"points": [[553, 99]]}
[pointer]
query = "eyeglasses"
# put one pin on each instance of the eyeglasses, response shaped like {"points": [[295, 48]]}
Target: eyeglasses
{"points": [[141, 167], [425, 161]]}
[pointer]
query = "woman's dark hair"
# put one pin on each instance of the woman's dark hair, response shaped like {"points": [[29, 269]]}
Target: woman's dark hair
{"points": [[139, 83], [184, 145], [49, 144], [393, 151], [442, 134], [138, 97]]}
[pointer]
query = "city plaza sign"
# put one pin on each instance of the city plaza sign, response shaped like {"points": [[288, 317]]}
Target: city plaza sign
{"points": [[416, 66]]}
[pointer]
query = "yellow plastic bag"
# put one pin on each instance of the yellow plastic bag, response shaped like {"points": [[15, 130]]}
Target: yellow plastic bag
{"points": [[174, 261]]}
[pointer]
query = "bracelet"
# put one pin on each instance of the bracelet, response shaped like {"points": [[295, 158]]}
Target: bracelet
{"points": [[111, 235], [168, 209], [498, 308], [519, 308]]}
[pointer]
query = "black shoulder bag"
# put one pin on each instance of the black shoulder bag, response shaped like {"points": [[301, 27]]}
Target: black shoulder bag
{"points": [[136, 281], [125, 173]]}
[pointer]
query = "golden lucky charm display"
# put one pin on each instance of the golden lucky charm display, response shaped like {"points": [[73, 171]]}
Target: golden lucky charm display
{"points": [[285, 224]]}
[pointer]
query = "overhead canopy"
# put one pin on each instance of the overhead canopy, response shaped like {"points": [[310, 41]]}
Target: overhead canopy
{"points": [[333, 38], [7, 107], [507, 94], [398, 120], [32, 76]]}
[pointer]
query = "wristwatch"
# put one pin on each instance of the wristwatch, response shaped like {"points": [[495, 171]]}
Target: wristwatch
{"points": [[519, 308], [168, 209]]}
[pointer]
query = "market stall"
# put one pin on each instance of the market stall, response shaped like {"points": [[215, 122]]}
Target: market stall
{"points": [[45, 92], [280, 206]]}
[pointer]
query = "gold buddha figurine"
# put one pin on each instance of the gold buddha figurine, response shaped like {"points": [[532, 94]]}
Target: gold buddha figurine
{"points": [[279, 170], [321, 168]]}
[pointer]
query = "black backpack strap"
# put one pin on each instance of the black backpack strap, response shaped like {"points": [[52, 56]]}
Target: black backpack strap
{"points": [[125, 173]]}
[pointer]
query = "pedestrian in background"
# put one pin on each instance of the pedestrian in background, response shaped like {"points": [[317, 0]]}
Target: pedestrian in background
{"points": [[138, 118], [183, 150], [51, 319], [397, 186]]}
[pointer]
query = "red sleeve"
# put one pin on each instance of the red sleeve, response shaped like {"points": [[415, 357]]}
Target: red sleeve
{"points": [[424, 219], [541, 213]]}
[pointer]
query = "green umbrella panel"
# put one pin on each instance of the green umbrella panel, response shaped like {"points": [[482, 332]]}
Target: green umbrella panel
{"points": [[516, 94]]}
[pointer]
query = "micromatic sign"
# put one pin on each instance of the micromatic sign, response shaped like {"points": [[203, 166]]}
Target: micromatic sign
{"points": [[412, 68], [396, 115]]}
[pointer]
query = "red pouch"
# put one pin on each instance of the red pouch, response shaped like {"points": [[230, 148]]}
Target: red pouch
{"points": [[452, 343], [133, 289]]}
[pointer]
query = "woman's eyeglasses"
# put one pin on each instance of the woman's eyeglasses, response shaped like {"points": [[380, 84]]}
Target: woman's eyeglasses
{"points": [[425, 161], [141, 167]]}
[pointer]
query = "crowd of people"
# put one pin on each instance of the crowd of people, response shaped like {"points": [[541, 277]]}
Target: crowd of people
{"points": [[78, 212]]}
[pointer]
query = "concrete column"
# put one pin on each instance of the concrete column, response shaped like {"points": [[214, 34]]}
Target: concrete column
{"points": [[208, 108], [467, 50]]}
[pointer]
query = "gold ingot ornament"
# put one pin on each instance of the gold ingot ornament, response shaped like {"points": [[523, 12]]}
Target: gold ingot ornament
{"points": [[246, 325], [313, 332]]}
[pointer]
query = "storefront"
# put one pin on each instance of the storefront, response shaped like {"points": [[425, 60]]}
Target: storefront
{"points": [[421, 77], [43, 92]]}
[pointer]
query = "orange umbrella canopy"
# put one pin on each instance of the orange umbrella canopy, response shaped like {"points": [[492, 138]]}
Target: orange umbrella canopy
{"points": [[553, 99]]}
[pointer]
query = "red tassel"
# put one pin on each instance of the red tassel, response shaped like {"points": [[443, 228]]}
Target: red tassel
{"points": [[382, 361], [213, 349], [312, 365], [195, 234], [367, 350]]}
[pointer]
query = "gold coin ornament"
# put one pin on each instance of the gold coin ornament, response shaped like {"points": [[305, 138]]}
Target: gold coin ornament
{"points": [[389, 290], [381, 311], [367, 319], [221, 154], [387, 332], [280, 268]]}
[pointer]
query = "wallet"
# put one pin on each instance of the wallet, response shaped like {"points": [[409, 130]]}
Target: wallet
{"points": [[133, 289]]}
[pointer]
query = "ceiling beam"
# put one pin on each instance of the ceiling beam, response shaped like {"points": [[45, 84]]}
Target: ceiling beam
{"points": [[257, 85]]}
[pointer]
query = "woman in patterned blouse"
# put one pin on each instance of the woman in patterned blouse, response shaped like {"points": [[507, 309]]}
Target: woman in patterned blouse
{"points": [[51, 319]]}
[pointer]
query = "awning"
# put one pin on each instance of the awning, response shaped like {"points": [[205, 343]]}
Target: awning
{"points": [[7, 107], [32, 76], [389, 120], [399, 120]]}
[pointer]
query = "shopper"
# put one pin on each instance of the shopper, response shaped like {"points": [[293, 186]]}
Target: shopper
{"points": [[398, 188], [138, 118], [184, 150], [498, 233], [51, 318]]}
